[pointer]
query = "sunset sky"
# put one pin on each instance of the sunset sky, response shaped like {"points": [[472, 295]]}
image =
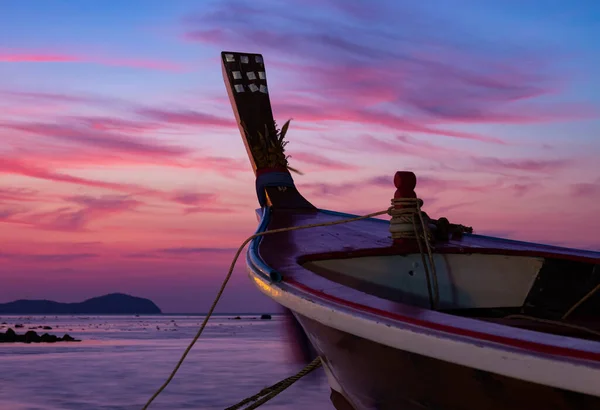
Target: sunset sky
{"points": [[122, 170]]}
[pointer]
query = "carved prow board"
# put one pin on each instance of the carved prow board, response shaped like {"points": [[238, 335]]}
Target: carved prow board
{"points": [[246, 82]]}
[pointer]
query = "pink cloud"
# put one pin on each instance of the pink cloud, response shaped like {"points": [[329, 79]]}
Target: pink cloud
{"points": [[440, 210], [213, 36], [586, 189], [406, 77], [442, 98], [193, 198], [76, 141], [343, 112], [116, 124], [54, 97], [19, 167], [18, 194], [82, 210], [400, 145], [104, 141], [200, 202], [527, 165], [324, 188], [75, 134], [179, 252], [207, 210], [87, 210], [80, 157], [47, 258], [34, 57], [38, 104], [37, 58], [523, 189], [225, 166], [193, 202], [322, 162], [186, 117], [342, 188], [75, 157], [7, 213], [58, 103], [517, 184], [429, 184]]}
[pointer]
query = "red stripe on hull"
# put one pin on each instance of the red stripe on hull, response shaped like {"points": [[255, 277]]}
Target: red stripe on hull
{"points": [[375, 376], [507, 341]]}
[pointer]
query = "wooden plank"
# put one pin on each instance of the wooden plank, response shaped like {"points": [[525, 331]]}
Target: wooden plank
{"points": [[245, 79], [246, 82]]}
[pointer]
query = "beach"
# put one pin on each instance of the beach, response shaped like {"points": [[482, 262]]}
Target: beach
{"points": [[122, 360]]}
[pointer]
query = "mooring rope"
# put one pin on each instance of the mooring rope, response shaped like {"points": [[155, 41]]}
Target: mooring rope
{"points": [[564, 316], [228, 276], [580, 301], [400, 216], [268, 393]]}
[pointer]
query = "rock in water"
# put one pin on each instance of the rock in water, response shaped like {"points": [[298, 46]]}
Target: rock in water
{"points": [[265, 317], [9, 336], [32, 337]]}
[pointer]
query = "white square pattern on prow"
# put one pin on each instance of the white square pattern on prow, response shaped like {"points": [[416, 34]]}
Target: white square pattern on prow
{"points": [[256, 79]]}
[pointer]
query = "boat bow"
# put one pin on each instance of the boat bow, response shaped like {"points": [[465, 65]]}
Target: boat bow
{"points": [[389, 337]]}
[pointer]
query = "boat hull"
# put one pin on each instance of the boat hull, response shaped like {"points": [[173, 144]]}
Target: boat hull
{"points": [[365, 375], [365, 299]]}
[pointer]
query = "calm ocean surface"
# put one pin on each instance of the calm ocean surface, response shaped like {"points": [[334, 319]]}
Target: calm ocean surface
{"points": [[122, 360]]}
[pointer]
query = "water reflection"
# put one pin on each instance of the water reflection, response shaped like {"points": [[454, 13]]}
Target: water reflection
{"points": [[122, 360]]}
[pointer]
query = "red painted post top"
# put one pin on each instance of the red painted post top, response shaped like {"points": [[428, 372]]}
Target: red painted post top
{"points": [[405, 183]]}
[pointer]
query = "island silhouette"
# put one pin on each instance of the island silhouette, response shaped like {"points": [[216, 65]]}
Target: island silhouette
{"points": [[111, 304]]}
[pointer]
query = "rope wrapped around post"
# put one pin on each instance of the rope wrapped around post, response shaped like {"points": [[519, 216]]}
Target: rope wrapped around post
{"points": [[404, 213], [409, 225]]}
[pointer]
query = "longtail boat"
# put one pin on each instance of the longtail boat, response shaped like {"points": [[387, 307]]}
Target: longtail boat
{"points": [[415, 312]]}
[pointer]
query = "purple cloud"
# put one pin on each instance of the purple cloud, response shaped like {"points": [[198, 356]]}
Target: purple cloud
{"points": [[406, 74]]}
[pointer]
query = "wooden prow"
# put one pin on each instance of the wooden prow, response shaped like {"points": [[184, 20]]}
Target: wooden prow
{"points": [[246, 82]]}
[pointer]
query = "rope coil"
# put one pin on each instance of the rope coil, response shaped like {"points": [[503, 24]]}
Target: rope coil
{"points": [[408, 222], [404, 212]]}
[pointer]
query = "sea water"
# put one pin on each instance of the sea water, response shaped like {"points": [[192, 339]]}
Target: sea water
{"points": [[122, 360]]}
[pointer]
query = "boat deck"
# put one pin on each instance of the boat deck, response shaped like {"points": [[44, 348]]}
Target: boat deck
{"points": [[372, 237], [286, 252]]}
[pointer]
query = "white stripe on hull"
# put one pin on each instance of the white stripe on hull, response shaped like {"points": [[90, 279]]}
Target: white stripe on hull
{"points": [[569, 374]]}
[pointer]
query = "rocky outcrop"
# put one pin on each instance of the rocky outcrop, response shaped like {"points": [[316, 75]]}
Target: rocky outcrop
{"points": [[112, 304], [10, 336]]}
